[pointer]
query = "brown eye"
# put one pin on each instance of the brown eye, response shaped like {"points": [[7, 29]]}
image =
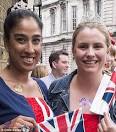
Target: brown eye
{"points": [[21, 40], [37, 40]]}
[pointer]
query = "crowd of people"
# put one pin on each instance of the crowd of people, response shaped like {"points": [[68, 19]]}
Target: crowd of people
{"points": [[28, 98]]}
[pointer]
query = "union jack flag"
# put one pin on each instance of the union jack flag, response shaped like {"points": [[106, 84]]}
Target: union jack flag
{"points": [[110, 90], [108, 96], [70, 122], [67, 122]]}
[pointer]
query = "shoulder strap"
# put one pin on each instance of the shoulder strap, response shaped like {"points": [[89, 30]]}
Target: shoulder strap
{"points": [[43, 88]]}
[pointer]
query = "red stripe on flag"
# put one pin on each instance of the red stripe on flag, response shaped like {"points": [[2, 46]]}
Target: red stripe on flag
{"points": [[110, 89], [90, 122], [44, 127], [62, 124], [111, 101], [74, 119], [113, 77]]}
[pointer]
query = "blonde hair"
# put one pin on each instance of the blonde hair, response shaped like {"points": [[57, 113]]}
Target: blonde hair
{"points": [[102, 28], [40, 71]]}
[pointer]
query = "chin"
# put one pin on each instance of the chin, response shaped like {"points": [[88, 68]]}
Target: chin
{"points": [[91, 70], [28, 69]]}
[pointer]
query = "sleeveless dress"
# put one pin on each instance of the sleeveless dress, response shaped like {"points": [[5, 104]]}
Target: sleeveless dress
{"points": [[13, 105]]}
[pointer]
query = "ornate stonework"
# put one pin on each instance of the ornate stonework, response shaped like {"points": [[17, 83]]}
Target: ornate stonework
{"points": [[4, 5]]}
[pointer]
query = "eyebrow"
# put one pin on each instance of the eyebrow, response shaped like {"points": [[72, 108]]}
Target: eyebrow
{"points": [[18, 34], [23, 35]]}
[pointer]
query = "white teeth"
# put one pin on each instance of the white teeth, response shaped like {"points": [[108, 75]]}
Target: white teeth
{"points": [[90, 62], [28, 60]]}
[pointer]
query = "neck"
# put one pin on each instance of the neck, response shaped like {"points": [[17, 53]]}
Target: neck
{"points": [[90, 81], [56, 74], [12, 74]]}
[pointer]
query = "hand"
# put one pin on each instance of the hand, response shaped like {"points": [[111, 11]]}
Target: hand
{"points": [[21, 121], [106, 124]]}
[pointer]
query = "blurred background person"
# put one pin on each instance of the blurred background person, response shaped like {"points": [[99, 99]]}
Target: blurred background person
{"points": [[111, 59], [59, 64], [40, 71]]}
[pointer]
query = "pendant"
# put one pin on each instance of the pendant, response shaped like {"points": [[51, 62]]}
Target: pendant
{"points": [[18, 89], [84, 101]]}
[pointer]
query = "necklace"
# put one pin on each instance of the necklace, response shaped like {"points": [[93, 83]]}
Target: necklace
{"points": [[18, 88], [22, 89]]}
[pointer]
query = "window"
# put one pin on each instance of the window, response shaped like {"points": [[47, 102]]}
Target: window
{"points": [[63, 17], [74, 17], [86, 6], [98, 7], [52, 15]]}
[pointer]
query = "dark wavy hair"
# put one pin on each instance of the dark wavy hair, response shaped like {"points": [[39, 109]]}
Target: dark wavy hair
{"points": [[13, 19]]}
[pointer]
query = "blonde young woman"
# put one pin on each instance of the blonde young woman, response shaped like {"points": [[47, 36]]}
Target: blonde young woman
{"points": [[90, 45]]}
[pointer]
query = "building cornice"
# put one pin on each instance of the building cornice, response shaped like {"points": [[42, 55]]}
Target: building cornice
{"points": [[54, 4], [50, 5], [63, 40]]}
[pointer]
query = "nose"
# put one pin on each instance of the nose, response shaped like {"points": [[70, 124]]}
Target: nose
{"points": [[67, 65], [90, 52], [30, 47]]}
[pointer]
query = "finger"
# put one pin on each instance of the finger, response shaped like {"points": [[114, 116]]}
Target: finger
{"points": [[100, 128], [15, 124], [27, 123], [107, 119], [23, 120], [29, 119], [103, 125]]}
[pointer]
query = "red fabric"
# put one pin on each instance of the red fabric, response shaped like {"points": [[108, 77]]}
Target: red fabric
{"points": [[91, 122], [37, 109], [46, 107]]}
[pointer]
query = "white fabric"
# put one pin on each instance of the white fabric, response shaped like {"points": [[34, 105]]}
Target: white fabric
{"points": [[96, 104], [48, 79]]}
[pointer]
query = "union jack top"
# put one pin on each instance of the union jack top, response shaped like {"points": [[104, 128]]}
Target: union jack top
{"points": [[41, 110]]}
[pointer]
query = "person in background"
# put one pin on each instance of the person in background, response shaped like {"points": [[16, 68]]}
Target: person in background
{"points": [[111, 59], [90, 43], [112, 52], [22, 102], [40, 71], [59, 64]]}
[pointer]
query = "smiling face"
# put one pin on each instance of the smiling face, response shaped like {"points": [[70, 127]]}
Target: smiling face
{"points": [[90, 50], [24, 45]]}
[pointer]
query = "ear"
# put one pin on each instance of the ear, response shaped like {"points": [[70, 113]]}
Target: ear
{"points": [[54, 64]]}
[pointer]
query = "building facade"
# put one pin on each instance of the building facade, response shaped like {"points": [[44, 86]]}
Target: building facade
{"points": [[4, 5], [61, 17]]}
